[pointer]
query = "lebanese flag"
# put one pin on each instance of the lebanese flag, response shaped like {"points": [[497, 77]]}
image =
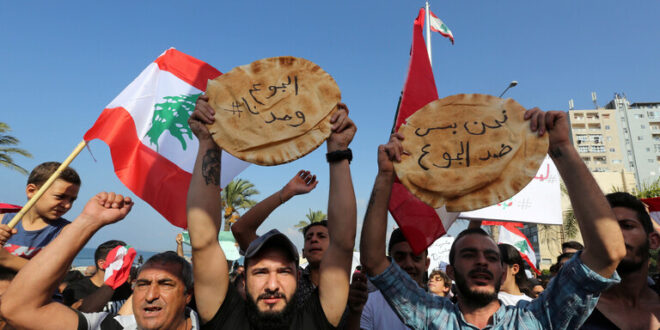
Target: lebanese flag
{"points": [[118, 265], [437, 25], [509, 234], [420, 223], [146, 127]]}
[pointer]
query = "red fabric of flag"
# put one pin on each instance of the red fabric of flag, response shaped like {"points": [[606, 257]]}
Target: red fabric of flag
{"points": [[419, 222]]}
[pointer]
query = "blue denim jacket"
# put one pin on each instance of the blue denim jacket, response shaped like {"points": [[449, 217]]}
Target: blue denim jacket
{"points": [[566, 303]]}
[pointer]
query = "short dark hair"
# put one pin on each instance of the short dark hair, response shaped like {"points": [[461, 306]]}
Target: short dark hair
{"points": [[452, 250], [395, 238], [103, 250], [572, 245], [323, 223], [43, 171], [170, 257], [511, 256], [72, 276], [624, 199], [567, 255]]}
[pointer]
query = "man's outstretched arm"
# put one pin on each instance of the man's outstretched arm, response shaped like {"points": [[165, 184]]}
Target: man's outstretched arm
{"points": [[210, 269], [335, 266], [604, 247], [27, 302], [245, 229], [374, 228]]}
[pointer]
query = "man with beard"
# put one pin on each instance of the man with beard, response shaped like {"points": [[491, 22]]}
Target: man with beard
{"points": [[631, 304], [315, 234], [474, 257], [159, 299], [271, 263]]}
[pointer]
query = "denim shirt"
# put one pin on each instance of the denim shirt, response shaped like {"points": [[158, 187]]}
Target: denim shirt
{"points": [[566, 303]]}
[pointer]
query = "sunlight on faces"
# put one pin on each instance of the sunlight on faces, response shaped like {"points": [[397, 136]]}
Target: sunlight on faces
{"points": [[317, 241], [477, 269], [56, 201], [637, 241], [159, 296], [271, 280], [414, 265]]}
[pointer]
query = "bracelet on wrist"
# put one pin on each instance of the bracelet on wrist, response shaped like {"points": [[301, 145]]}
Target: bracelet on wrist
{"points": [[339, 155]]}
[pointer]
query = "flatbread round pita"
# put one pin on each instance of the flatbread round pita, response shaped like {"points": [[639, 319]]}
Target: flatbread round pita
{"points": [[274, 110], [469, 151]]}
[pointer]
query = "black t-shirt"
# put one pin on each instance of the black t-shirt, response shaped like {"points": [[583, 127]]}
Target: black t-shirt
{"points": [[598, 321], [84, 287], [232, 314]]}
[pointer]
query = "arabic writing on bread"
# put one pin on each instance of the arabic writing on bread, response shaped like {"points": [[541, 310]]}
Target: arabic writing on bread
{"points": [[257, 98]]}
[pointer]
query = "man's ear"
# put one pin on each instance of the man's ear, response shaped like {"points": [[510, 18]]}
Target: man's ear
{"points": [[515, 269], [189, 295], [654, 240], [100, 265], [450, 272], [30, 190]]}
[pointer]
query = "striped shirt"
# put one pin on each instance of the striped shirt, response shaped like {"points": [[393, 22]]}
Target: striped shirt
{"points": [[567, 302]]}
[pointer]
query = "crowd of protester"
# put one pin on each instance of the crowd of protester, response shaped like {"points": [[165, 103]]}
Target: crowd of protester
{"points": [[603, 284]]}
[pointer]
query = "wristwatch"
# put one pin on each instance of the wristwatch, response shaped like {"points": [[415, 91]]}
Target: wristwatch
{"points": [[338, 155]]}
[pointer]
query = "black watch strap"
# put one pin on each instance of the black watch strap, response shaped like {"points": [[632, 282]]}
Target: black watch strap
{"points": [[338, 155]]}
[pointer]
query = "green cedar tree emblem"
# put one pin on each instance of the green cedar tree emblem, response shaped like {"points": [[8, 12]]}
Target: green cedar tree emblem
{"points": [[172, 115], [522, 246]]}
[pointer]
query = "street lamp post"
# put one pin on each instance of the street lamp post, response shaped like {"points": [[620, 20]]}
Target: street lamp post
{"points": [[512, 84]]}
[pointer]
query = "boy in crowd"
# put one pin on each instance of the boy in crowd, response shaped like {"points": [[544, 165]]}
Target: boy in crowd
{"points": [[44, 220], [80, 291], [439, 283]]}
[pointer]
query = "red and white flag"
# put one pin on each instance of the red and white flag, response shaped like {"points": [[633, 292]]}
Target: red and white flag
{"points": [[420, 223], [510, 234], [654, 209], [437, 25], [146, 127], [118, 265]]}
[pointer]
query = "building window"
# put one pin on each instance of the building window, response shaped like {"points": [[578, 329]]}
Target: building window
{"points": [[607, 127], [609, 139], [640, 138], [625, 130], [612, 150], [632, 165], [643, 126], [656, 147], [581, 138], [583, 148], [616, 161], [596, 138], [597, 149], [638, 116], [648, 149]]}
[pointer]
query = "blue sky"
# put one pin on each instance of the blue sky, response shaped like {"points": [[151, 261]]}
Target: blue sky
{"points": [[62, 62]]}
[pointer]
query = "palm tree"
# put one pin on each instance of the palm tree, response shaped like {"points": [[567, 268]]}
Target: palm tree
{"points": [[570, 227], [312, 217], [7, 152], [237, 196]]}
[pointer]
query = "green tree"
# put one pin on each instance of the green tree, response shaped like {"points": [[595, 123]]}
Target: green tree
{"points": [[570, 227], [312, 217], [236, 195], [172, 115], [7, 151]]}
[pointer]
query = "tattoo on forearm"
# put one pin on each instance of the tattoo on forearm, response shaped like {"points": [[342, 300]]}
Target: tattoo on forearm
{"points": [[555, 153], [211, 167]]}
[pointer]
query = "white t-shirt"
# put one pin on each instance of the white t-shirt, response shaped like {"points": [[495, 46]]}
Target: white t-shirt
{"points": [[92, 321], [377, 314], [510, 299]]}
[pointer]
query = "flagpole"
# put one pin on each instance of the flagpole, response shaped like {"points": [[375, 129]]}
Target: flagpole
{"points": [[46, 185], [428, 32]]}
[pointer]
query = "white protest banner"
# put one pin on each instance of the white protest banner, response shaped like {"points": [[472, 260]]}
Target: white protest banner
{"points": [[439, 253], [539, 202]]}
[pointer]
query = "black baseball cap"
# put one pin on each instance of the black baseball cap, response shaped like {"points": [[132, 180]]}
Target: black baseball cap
{"points": [[272, 238]]}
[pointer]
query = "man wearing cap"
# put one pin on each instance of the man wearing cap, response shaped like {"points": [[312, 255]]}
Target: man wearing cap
{"points": [[271, 262]]}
